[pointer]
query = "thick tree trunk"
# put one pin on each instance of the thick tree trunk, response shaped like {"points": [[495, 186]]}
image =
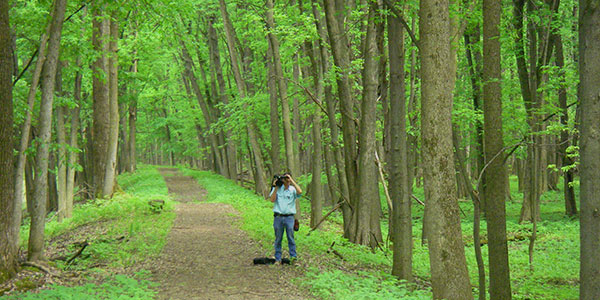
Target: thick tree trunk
{"points": [[446, 248], [8, 234], [495, 174], [368, 231], [110, 172], [398, 160], [316, 203], [589, 97], [101, 106], [38, 218]]}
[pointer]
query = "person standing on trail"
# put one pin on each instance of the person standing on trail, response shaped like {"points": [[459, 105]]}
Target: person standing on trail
{"points": [[284, 193]]}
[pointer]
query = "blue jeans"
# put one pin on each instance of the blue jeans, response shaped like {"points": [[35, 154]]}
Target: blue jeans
{"points": [[279, 224]]}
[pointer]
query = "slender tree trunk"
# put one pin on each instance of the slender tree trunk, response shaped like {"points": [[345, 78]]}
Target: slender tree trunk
{"points": [[206, 112], [260, 180], [589, 97], [26, 135], [446, 248], [333, 126], [101, 106], [495, 174], [274, 113], [73, 143], [569, 191], [113, 94], [216, 62], [282, 87], [61, 137], [38, 218], [341, 58], [398, 169], [8, 244]]}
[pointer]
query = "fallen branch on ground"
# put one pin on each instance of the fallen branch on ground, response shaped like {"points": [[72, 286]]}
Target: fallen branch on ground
{"points": [[325, 217]]}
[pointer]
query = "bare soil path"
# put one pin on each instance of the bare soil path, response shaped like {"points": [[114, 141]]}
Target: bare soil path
{"points": [[207, 258]]}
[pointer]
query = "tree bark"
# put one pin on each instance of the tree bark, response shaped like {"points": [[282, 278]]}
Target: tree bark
{"points": [[101, 105], [26, 135], [61, 137], [333, 126], [398, 160], [589, 97], [216, 63], [569, 191], [495, 174], [274, 113], [110, 172], [38, 218], [8, 232], [446, 248], [71, 171], [368, 231], [341, 58], [282, 87], [260, 180]]}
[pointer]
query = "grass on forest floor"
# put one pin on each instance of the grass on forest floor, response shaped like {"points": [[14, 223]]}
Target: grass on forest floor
{"points": [[362, 274], [123, 232], [366, 275]]}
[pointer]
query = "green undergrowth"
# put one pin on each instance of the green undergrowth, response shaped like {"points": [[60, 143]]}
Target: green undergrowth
{"points": [[365, 274], [330, 279], [121, 232]]}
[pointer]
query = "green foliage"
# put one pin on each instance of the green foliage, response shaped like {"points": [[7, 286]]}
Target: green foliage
{"points": [[337, 284], [116, 287]]}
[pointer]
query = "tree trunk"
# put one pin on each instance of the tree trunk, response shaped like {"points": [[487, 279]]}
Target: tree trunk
{"points": [[8, 233], [589, 97], [446, 248], [274, 113], [495, 174], [368, 231], [260, 180], [341, 58], [398, 161], [316, 203], [26, 136], [113, 95], [569, 191], [61, 137], [333, 126], [38, 218], [101, 106], [216, 63], [206, 112], [282, 87], [73, 143]]}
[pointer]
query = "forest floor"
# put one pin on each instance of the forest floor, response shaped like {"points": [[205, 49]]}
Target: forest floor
{"points": [[207, 257]]}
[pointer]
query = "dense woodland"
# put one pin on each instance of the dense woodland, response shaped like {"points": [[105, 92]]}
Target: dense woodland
{"points": [[364, 99]]}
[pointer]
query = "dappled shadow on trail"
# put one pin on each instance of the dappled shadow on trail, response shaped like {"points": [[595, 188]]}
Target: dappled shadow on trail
{"points": [[207, 258]]}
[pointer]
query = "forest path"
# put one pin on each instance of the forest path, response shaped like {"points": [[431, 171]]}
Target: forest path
{"points": [[205, 257]]}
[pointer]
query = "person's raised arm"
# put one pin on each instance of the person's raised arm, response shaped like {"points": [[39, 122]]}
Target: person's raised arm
{"points": [[296, 186]]}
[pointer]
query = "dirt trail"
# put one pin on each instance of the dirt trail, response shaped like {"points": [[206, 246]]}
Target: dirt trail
{"points": [[207, 258]]}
